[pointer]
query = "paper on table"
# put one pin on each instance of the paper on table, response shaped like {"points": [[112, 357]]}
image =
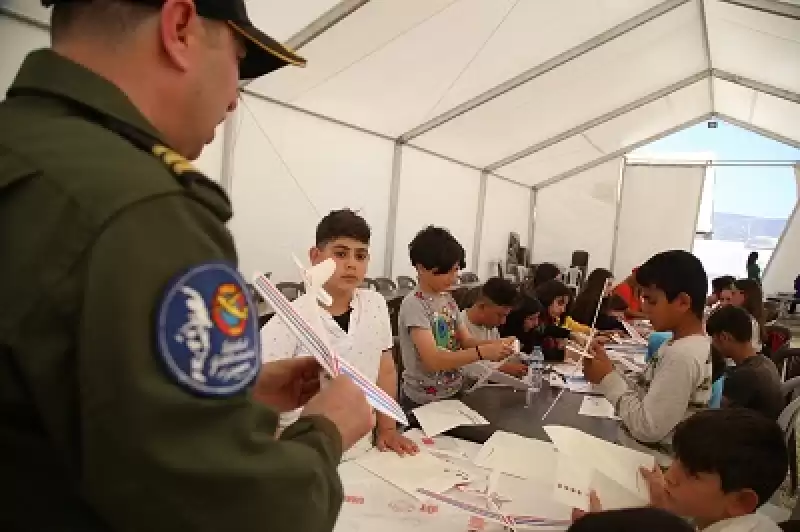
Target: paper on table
{"points": [[440, 416], [412, 473], [485, 371], [615, 477], [633, 333], [518, 456], [597, 407]]}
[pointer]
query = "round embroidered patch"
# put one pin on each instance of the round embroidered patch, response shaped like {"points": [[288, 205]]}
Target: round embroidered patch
{"points": [[207, 331]]}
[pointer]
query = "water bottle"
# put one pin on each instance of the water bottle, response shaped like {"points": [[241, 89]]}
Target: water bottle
{"points": [[536, 369]]}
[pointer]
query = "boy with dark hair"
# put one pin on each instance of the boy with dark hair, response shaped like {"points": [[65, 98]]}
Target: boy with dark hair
{"points": [[498, 297], [718, 286], [434, 340], [357, 322], [728, 462], [677, 379], [754, 381]]}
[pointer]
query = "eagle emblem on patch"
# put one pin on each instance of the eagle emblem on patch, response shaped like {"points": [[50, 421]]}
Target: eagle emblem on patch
{"points": [[207, 331]]}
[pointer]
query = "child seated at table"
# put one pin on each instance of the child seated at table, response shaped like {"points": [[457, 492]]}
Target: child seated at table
{"points": [[522, 322], [555, 327], [728, 463], [597, 291], [754, 381], [496, 300], [434, 340], [357, 322], [677, 380]]}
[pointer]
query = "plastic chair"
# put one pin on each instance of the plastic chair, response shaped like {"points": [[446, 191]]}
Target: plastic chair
{"points": [[573, 278], [394, 313], [405, 282], [385, 285], [787, 360], [370, 284], [468, 277], [291, 290]]}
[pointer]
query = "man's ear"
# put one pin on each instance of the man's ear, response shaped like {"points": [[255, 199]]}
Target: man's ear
{"points": [[684, 300], [742, 502]]}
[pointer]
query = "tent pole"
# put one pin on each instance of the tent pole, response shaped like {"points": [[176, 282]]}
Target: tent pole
{"points": [[701, 4], [391, 222], [228, 143], [758, 86], [479, 220], [758, 130], [773, 7], [532, 222], [620, 190]]}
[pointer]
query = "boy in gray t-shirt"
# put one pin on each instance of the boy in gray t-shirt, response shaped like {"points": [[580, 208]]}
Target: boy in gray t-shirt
{"points": [[434, 342]]}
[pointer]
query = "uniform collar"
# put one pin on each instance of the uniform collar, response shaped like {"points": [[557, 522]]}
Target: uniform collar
{"points": [[45, 71]]}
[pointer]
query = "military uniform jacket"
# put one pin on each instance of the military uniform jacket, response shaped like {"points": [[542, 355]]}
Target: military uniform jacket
{"points": [[100, 427]]}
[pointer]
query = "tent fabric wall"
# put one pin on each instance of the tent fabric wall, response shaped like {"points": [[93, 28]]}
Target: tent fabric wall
{"points": [[578, 214], [16, 41], [272, 216], [658, 212], [434, 191], [506, 210], [784, 265]]}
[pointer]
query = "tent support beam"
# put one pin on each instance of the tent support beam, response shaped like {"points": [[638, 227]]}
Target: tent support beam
{"points": [[479, 219], [757, 85], [25, 19], [773, 7], [391, 222], [547, 66], [586, 126], [701, 4], [327, 20], [228, 136], [755, 129], [622, 151], [532, 223]]}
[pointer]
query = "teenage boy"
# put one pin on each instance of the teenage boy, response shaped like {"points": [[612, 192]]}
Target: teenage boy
{"points": [[754, 381], [357, 322], [677, 379], [498, 297], [434, 340], [728, 462], [721, 290]]}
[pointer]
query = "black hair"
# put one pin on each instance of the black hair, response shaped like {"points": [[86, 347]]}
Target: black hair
{"points": [[676, 272], [343, 223], [548, 292], [753, 300], [615, 303], [744, 447], [515, 322], [583, 309], [435, 249], [545, 272], [722, 283], [752, 257], [500, 292], [631, 520], [732, 320]]}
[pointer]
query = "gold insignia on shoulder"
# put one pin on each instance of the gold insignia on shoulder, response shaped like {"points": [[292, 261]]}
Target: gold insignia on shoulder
{"points": [[177, 163]]}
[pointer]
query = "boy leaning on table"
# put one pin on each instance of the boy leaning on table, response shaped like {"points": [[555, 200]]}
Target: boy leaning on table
{"points": [[677, 379], [357, 323], [728, 463]]}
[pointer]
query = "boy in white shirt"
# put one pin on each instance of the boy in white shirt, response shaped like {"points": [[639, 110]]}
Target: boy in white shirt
{"points": [[677, 380], [357, 322]]}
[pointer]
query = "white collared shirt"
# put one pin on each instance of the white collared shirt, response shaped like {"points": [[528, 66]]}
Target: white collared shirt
{"points": [[369, 335]]}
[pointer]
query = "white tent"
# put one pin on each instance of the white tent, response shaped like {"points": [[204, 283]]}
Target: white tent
{"points": [[490, 116]]}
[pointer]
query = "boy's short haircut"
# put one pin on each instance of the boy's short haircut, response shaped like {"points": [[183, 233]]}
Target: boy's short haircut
{"points": [[675, 272], [744, 447], [435, 249], [732, 320], [343, 223], [722, 283], [546, 271], [500, 292], [631, 520]]}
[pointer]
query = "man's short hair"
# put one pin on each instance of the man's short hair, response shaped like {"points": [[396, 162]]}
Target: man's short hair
{"points": [[745, 448], [631, 520], [500, 292], [110, 17], [722, 283], [732, 320], [343, 223], [435, 249], [676, 272]]}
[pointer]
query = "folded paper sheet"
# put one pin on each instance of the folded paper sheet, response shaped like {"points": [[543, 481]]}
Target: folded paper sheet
{"points": [[486, 372], [518, 456], [421, 471], [587, 463], [319, 348], [597, 407], [441, 416]]}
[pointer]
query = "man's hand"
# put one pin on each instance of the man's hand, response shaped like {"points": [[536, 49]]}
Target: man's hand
{"points": [[657, 486], [287, 384], [345, 405], [390, 439], [594, 507], [595, 369]]}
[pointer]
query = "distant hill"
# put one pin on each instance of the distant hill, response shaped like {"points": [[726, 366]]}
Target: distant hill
{"points": [[738, 228]]}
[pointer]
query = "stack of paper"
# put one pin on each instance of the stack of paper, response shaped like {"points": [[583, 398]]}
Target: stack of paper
{"points": [[518, 456], [586, 463], [440, 416]]}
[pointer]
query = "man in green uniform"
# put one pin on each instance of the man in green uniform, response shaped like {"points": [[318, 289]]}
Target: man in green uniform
{"points": [[129, 349]]}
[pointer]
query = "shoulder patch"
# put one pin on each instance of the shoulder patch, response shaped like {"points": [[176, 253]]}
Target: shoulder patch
{"points": [[207, 329]]}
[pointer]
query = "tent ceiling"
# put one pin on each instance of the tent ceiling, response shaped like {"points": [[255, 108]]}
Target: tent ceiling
{"points": [[534, 90]]}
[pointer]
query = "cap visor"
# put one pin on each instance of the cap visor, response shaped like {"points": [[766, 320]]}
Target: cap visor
{"points": [[264, 54]]}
